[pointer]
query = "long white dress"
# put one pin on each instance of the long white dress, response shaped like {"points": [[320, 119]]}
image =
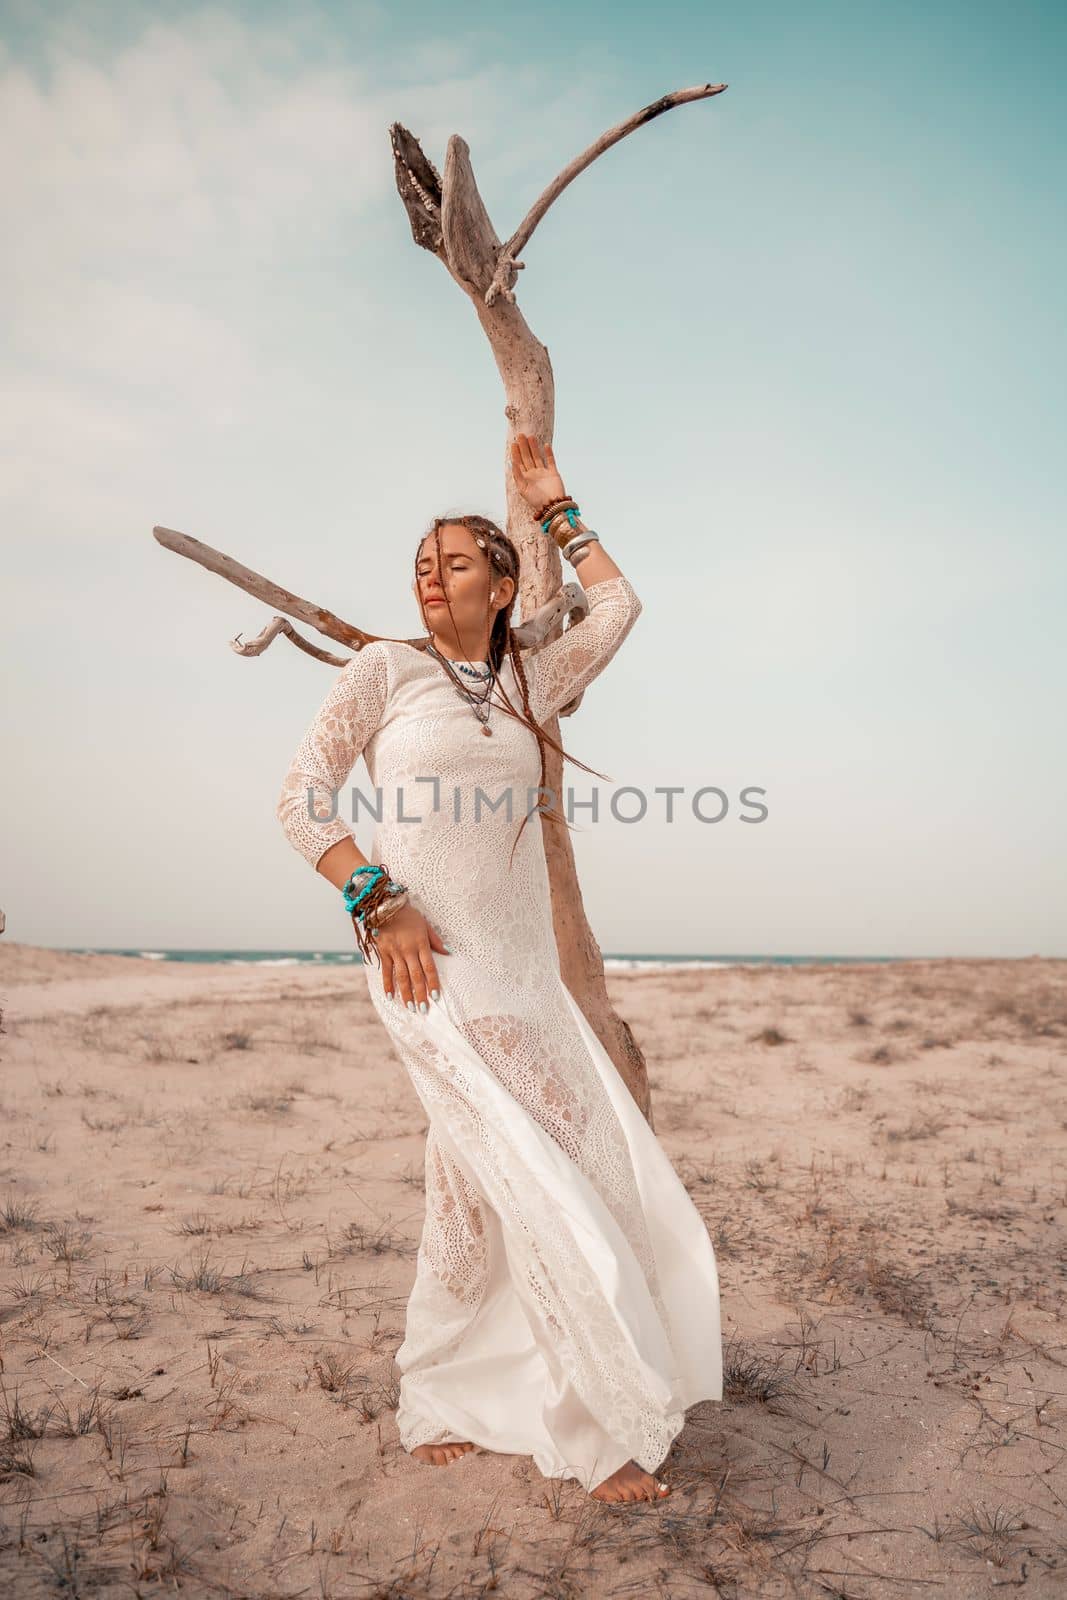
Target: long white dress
{"points": [[566, 1295]]}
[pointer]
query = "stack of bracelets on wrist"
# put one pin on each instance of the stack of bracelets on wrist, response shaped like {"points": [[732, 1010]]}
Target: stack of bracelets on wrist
{"points": [[371, 897], [559, 519]]}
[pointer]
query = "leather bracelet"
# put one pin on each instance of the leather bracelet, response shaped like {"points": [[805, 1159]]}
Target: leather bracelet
{"points": [[561, 526], [555, 505]]}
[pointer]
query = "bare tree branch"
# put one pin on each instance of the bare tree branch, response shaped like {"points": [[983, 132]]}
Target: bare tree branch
{"points": [[640, 119], [570, 603], [472, 247], [418, 184], [334, 627], [276, 626]]}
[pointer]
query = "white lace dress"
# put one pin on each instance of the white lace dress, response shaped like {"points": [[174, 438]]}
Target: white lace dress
{"points": [[566, 1297]]}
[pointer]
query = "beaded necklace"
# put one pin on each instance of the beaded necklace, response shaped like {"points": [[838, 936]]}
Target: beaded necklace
{"points": [[479, 704]]}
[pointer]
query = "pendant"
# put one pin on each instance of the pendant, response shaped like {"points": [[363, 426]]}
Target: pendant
{"points": [[486, 729]]}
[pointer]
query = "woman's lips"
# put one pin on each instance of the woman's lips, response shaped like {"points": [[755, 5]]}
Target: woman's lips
{"points": [[435, 601]]}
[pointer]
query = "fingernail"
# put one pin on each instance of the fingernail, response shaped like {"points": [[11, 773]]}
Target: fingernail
{"points": [[411, 1005], [448, 949], [423, 1006], [435, 994]]}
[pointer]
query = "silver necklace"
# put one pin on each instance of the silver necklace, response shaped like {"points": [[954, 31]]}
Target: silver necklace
{"points": [[479, 704]]}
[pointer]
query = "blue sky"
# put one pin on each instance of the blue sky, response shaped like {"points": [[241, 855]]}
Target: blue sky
{"points": [[808, 345]]}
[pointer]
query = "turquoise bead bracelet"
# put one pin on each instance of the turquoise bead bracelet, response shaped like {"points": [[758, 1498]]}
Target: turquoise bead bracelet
{"points": [[352, 899], [572, 513], [374, 875]]}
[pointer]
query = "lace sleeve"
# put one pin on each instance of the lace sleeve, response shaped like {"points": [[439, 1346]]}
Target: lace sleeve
{"points": [[340, 731], [563, 668]]}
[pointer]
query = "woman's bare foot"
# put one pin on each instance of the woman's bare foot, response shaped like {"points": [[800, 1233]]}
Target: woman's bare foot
{"points": [[439, 1455], [631, 1482]]}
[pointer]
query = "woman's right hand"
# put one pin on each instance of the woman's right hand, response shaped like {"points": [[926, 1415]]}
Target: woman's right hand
{"points": [[406, 945]]}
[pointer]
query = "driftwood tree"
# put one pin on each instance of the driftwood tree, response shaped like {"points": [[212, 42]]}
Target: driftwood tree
{"points": [[449, 219]]}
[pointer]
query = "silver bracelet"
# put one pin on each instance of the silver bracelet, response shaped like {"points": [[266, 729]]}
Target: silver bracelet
{"points": [[383, 913], [573, 548]]}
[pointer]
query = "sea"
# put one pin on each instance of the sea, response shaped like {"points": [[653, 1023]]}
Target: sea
{"points": [[621, 962]]}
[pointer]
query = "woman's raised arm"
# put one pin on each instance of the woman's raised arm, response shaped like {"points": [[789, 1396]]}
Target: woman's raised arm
{"points": [[561, 669]]}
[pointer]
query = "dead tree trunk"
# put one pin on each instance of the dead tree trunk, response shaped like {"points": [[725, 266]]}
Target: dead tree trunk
{"points": [[449, 219]]}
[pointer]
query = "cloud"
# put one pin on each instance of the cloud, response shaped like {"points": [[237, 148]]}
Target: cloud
{"points": [[193, 149], [173, 185]]}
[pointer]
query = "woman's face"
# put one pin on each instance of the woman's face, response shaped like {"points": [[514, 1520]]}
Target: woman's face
{"points": [[463, 575]]}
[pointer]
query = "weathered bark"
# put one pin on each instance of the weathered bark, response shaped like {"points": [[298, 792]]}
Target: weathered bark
{"points": [[449, 219]]}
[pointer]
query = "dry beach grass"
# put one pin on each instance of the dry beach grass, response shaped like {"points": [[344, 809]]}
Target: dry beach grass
{"points": [[210, 1199]]}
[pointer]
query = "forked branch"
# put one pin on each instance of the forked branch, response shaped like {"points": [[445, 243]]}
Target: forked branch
{"points": [[448, 216]]}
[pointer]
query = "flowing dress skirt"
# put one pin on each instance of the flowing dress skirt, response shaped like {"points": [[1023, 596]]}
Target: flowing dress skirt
{"points": [[566, 1298]]}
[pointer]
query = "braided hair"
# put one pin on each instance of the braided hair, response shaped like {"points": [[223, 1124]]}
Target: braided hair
{"points": [[502, 559]]}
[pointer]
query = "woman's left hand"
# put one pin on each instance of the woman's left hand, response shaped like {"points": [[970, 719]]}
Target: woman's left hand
{"points": [[534, 469]]}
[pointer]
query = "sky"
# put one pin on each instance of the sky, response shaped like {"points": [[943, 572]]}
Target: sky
{"points": [[808, 342]]}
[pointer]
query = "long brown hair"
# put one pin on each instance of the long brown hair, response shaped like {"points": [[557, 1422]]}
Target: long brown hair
{"points": [[502, 559]]}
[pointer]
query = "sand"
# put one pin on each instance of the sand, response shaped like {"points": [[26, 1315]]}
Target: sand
{"points": [[210, 1199]]}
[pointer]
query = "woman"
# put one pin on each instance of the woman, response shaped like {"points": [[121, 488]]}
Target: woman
{"points": [[566, 1297]]}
